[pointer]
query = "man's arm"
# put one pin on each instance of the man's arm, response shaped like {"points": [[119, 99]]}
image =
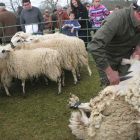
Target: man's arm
{"points": [[105, 11], [65, 26], [66, 16], [112, 76], [97, 46], [77, 26]]}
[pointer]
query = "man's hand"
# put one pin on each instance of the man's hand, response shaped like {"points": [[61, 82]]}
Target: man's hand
{"points": [[72, 31], [136, 52], [112, 76]]}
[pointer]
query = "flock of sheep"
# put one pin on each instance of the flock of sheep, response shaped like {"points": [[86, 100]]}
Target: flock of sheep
{"points": [[29, 56], [112, 115]]}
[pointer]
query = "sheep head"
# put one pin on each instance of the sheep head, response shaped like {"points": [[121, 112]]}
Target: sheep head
{"points": [[3, 52], [17, 41]]}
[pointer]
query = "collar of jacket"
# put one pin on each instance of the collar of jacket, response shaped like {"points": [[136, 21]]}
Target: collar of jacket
{"points": [[133, 19], [97, 7], [3, 10]]}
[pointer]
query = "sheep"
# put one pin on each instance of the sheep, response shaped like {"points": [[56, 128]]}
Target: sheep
{"points": [[112, 115], [69, 58], [77, 45], [25, 64]]}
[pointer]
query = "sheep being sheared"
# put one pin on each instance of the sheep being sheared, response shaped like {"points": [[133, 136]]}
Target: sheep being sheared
{"points": [[114, 114]]}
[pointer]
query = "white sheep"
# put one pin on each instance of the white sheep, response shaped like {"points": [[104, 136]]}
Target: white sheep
{"points": [[25, 64], [76, 45], [114, 114], [69, 58]]}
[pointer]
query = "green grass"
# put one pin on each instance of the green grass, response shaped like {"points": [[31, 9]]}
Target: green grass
{"points": [[43, 115]]}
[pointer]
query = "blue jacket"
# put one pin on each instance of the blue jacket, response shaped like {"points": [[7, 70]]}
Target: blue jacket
{"points": [[75, 26]]}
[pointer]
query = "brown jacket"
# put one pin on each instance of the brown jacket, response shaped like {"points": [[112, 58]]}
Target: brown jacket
{"points": [[62, 16], [7, 18], [47, 25]]}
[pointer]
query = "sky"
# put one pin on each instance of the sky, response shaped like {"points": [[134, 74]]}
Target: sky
{"points": [[36, 2]]}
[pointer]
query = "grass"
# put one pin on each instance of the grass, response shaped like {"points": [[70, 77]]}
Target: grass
{"points": [[43, 115]]}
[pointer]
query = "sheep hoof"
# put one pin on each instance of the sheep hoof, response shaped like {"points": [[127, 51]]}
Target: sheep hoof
{"points": [[79, 79], [9, 95], [23, 97], [74, 83], [63, 85], [57, 93]]}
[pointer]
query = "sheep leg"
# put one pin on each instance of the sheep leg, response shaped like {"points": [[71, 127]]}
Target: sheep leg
{"points": [[6, 89], [46, 80], [75, 103], [78, 73], [59, 85], [89, 70], [84, 117], [63, 78], [23, 87], [74, 76], [85, 107]]}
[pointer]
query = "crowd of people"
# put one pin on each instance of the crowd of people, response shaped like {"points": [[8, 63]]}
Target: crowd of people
{"points": [[30, 19]]}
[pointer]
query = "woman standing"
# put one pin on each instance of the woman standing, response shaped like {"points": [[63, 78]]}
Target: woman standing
{"points": [[81, 13]]}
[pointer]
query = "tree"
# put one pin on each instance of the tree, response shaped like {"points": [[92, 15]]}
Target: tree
{"points": [[14, 4], [49, 4]]}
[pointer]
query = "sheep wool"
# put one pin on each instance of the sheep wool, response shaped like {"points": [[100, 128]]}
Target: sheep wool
{"points": [[25, 64], [114, 114]]}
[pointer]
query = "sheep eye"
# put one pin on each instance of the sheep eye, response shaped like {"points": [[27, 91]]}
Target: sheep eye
{"points": [[3, 51], [31, 39], [18, 41]]}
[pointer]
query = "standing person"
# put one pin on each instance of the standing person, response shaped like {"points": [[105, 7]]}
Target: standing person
{"points": [[54, 19], [86, 4], [71, 27], [61, 14], [117, 7], [7, 18], [97, 14], [29, 15], [81, 12], [48, 25], [115, 41], [19, 9]]}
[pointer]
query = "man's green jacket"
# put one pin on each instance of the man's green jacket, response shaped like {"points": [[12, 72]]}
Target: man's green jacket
{"points": [[54, 18], [116, 37]]}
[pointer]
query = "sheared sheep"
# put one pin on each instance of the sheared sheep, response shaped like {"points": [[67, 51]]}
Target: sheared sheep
{"points": [[114, 114], [25, 64]]}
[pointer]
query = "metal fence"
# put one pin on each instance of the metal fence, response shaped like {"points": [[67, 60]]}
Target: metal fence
{"points": [[89, 36]]}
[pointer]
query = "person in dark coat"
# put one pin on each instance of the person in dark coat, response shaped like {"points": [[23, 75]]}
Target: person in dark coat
{"points": [[19, 9], [117, 38], [81, 13], [54, 18]]}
